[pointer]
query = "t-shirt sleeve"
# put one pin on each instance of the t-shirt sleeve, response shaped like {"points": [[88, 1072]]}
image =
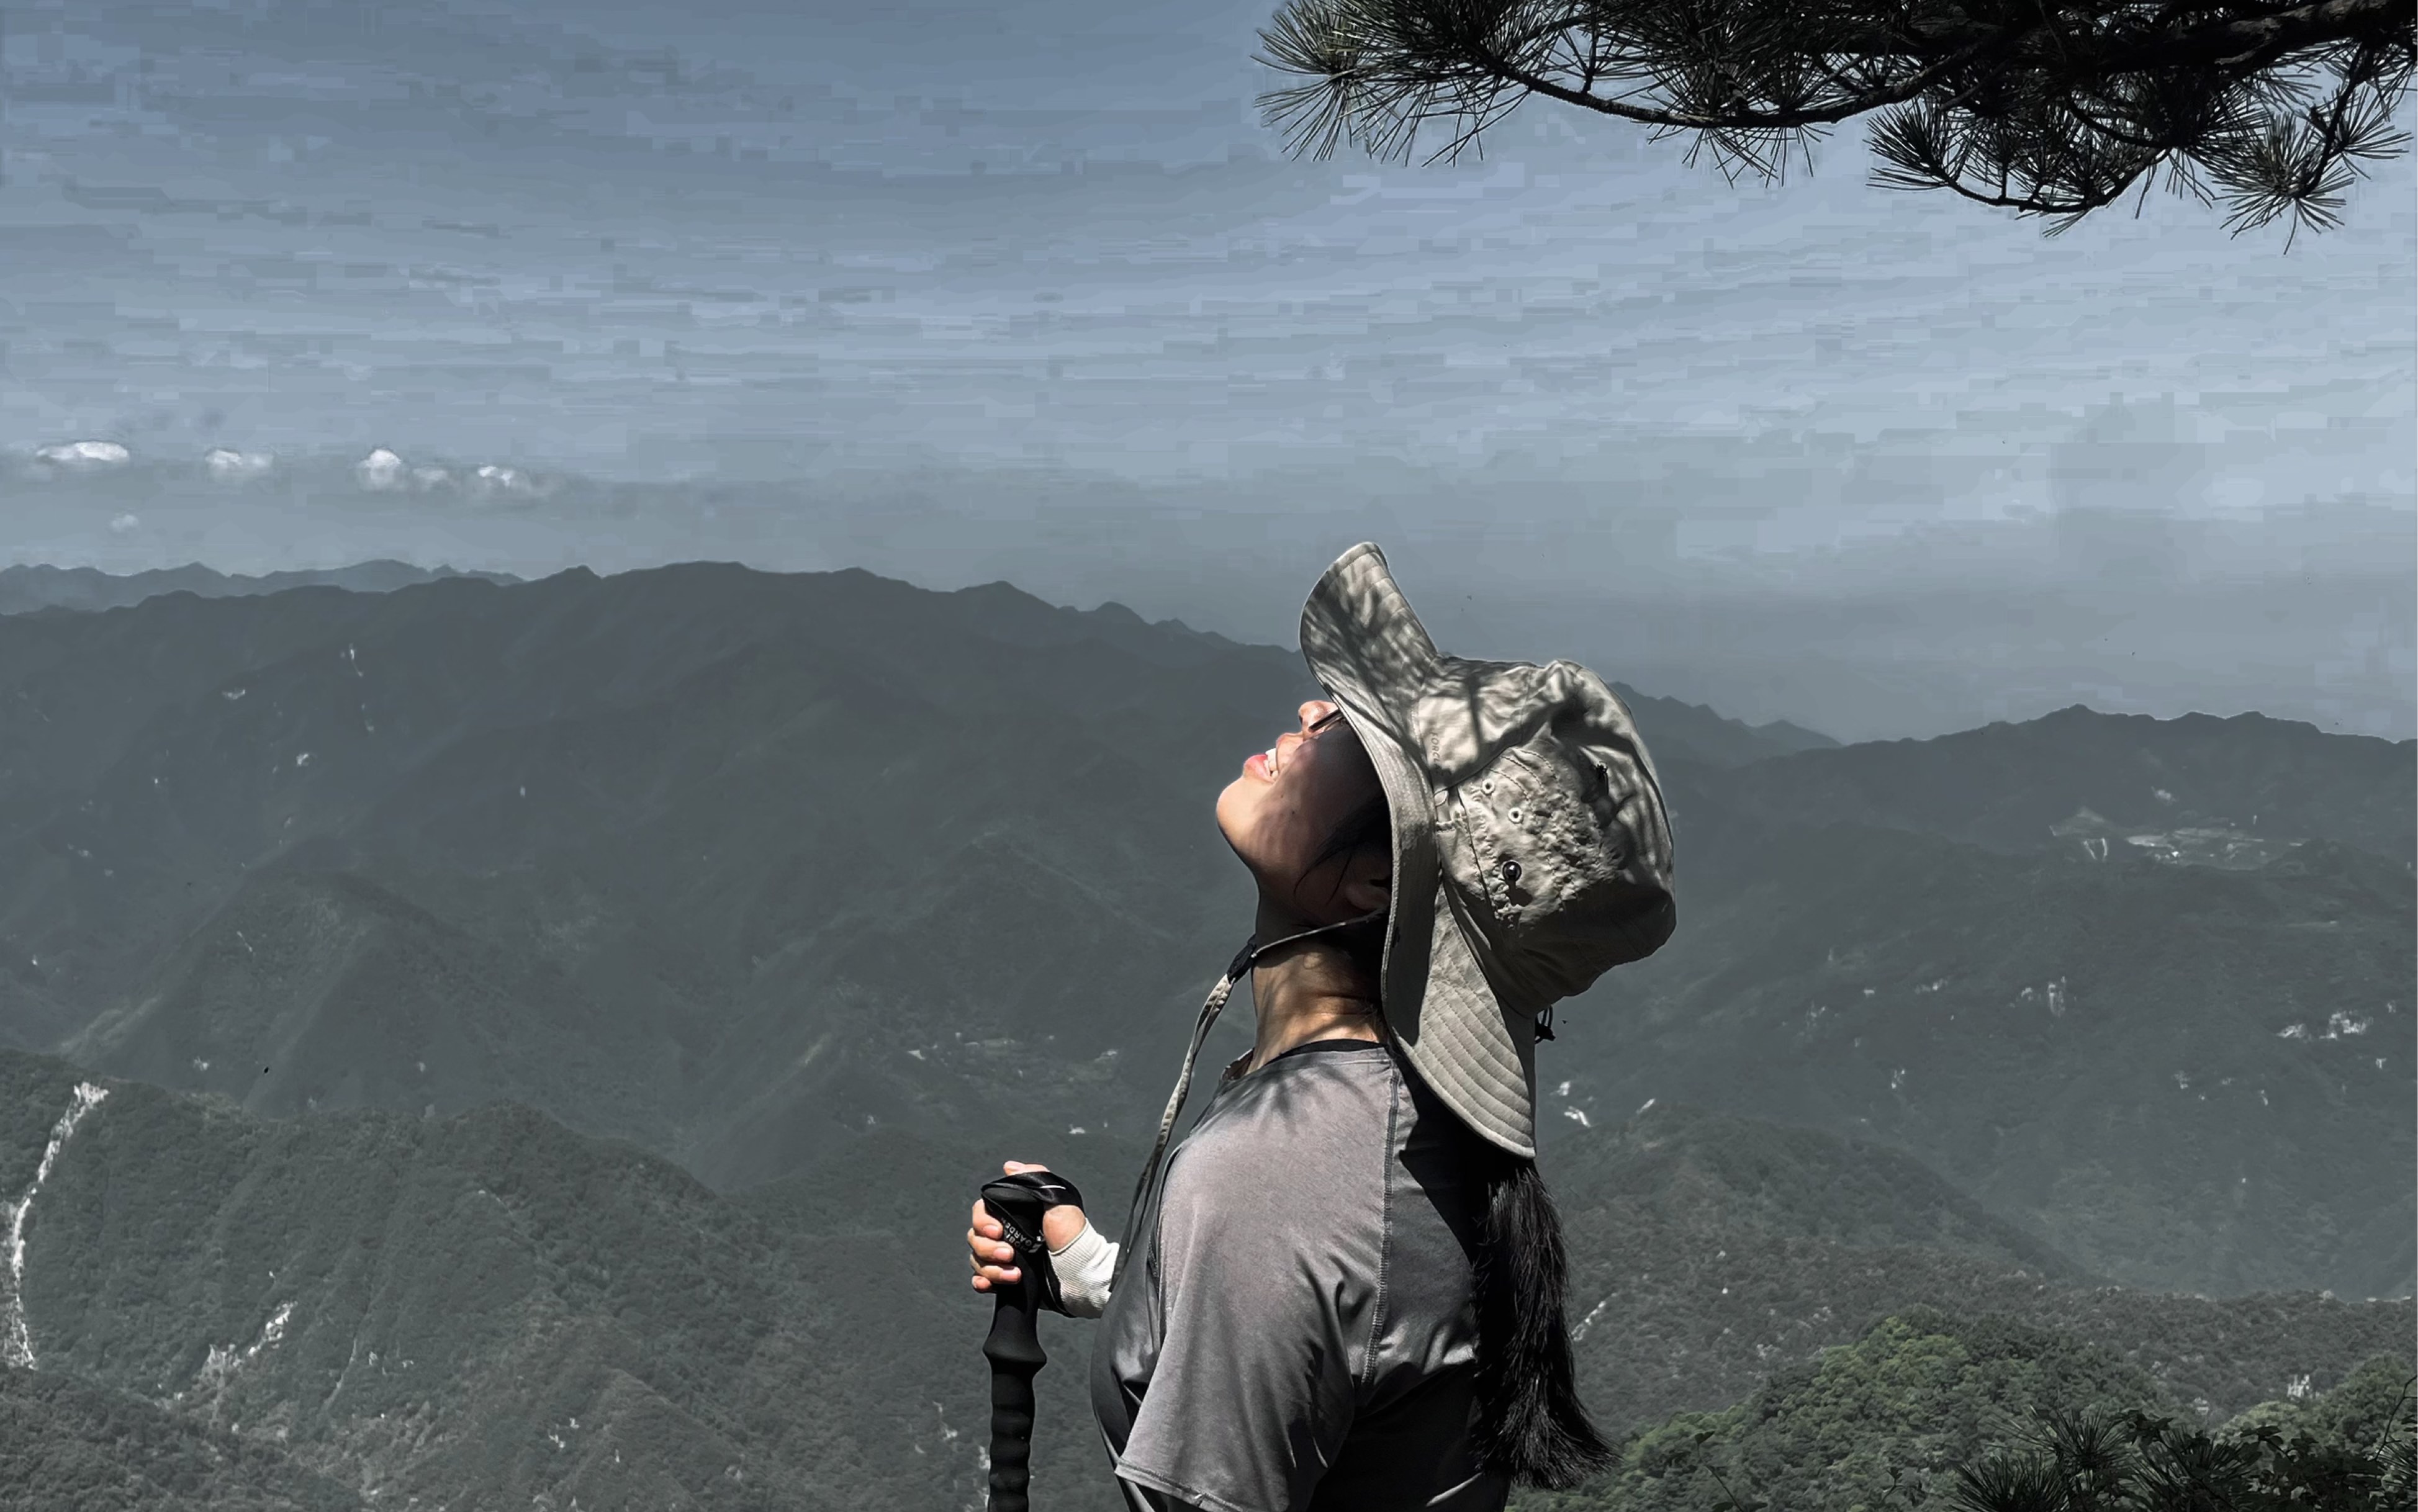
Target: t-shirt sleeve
{"points": [[1253, 1390]]}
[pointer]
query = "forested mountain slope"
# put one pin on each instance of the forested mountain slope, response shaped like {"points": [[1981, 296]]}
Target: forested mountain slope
{"points": [[745, 867], [491, 1310]]}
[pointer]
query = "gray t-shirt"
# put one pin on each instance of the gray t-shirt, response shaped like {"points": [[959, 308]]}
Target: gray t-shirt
{"points": [[1298, 1333]]}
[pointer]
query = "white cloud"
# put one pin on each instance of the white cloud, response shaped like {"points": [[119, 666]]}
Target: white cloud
{"points": [[495, 478], [231, 465], [381, 469], [85, 454]]}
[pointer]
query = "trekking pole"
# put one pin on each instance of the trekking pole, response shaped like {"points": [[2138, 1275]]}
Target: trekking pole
{"points": [[1014, 1345]]}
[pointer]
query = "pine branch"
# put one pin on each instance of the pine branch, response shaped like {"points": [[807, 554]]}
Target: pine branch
{"points": [[2050, 107]]}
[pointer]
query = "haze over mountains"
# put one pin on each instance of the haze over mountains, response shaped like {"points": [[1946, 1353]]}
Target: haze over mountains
{"points": [[961, 294], [1680, 577], [825, 892], [26, 588]]}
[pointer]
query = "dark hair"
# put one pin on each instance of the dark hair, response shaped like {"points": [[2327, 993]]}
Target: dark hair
{"points": [[1531, 1424]]}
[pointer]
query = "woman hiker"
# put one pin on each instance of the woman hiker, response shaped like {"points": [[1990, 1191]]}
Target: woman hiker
{"points": [[1349, 1293]]}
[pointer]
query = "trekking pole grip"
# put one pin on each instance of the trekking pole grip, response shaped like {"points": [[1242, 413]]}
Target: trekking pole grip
{"points": [[1013, 1350], [1014, 1345]]}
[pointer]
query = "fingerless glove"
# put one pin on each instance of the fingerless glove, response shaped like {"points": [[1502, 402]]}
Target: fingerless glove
{"points": [[1084, 1269]]}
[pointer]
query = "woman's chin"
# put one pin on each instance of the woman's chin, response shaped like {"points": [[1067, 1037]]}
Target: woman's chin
{"points": [[1234, 815], [1233, 803]]}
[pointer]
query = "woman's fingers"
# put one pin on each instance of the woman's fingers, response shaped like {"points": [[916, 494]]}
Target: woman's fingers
{"points": [[979, 1250], [986, 1240], [985, 1248]]}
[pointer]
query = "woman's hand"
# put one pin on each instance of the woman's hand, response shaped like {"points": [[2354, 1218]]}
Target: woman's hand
{"points": [[994, 1259]]}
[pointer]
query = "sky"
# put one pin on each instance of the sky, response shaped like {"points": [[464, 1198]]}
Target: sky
{"points": [[960, 293]]}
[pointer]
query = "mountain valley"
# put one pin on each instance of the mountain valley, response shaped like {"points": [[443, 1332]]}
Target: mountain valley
{"points": [[550, 1033]]}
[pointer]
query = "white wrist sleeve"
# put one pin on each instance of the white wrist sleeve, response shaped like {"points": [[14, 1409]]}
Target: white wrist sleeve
{"points": [[1083, 1268]]}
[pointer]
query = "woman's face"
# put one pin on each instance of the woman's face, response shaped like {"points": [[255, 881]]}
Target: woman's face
{"points": [[1283, 808]]}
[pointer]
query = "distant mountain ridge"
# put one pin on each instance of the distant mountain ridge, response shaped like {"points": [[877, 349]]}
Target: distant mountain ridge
{"points": [[749, 867], [28, 588], [1708, 736], [2018, 787]]}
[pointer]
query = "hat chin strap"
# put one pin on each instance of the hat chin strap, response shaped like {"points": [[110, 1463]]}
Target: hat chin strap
{"points": [[1244, 960]]}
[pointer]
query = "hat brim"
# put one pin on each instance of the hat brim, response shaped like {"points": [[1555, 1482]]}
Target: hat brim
{"points": [[1370, 653]]}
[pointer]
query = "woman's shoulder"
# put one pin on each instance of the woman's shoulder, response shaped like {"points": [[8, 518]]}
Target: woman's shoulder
{"points": [[1300, 1113], [1326, 1082]]}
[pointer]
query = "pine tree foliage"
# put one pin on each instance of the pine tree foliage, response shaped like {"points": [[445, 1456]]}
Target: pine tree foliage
{"points": [[2053, 108], [2080, 1460], [1929, 1412]]}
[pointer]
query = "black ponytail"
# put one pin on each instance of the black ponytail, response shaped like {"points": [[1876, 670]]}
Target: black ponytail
{"points": [[1530, 1423]]}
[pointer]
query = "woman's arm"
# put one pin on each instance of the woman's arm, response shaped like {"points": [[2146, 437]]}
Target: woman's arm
{"points": [[1084, 1266]]}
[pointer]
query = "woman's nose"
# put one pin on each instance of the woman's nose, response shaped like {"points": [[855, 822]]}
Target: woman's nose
{"points": [[1314, 710]]}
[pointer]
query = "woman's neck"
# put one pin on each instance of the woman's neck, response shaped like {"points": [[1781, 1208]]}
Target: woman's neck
{"points": [[1307, 992]]}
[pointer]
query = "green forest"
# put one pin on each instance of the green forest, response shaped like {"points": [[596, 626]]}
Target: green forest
{"points": [[1988, 1414]]}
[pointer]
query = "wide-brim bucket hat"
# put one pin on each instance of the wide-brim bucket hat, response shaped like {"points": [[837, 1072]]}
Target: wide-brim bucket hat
{"points": [[1531, 852], [1531, 849]]}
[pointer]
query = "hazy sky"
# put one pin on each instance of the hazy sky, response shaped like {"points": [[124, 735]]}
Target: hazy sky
{"points": [[1025, 290]]}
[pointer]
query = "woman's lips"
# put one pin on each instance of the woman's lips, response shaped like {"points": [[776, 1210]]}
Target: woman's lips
{"points": [[1262, 764]]}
